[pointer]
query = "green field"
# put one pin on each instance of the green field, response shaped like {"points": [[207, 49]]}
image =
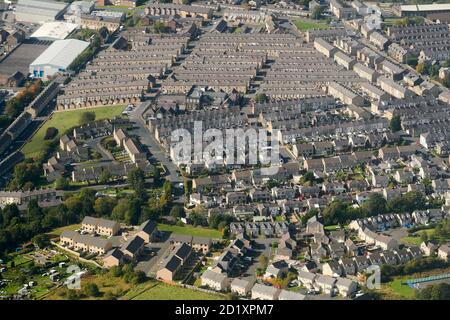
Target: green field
{"points": [[194, 231], [402, 289], [65, 120], [416, 241], [303, 25], [58, 231], [162, 291]]}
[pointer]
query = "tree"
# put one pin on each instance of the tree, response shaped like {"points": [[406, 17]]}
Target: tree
{"points": [[167, 187], [424, 236], [316, 13], [87, 117], [160, 27], [263, 262], [440, 291], [136, 179], [139, 277], [311, 213], [91, 290], [104, 206], [395, 124], [307, 178], [421, 68], [336, 213], [105, 176], [120, 209], [133, 213], [61, 184], [156, 176], [50, 133], [374, 205], [260, 98], [177, 212], [10, 212], [41, 240], [198, 219]]}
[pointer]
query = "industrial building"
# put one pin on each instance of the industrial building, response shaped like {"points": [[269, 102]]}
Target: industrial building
{"points": [[421, 9], [39, 11], [56, 30], [57, 58]]}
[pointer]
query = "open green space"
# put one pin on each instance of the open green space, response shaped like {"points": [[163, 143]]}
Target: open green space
{"points": [[304, 25], [162, 291], [403, 290], [416, 239], [63, 121], [193, 231], [58, 231]]}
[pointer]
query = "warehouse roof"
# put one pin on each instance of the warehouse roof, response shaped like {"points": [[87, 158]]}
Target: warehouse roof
{"points": [[426, 7], [55, 30], [61, 53]]}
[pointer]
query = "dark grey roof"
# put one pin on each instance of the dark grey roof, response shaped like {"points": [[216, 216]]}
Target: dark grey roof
{"points": [[148, 226], [133, 245], [172, 263], [182, 251]]}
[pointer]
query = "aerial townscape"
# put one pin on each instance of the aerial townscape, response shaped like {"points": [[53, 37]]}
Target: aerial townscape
{"points": [[337, 188]]}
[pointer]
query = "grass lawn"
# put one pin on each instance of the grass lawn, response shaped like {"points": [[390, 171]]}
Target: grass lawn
{"points": [[394, 290], [162, 291], [64, 120], [105, 283], [416, 241], [303, 25], [189, 230], [58, 231], [403, 290], [332, 228]]}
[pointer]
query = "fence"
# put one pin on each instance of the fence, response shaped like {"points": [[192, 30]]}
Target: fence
{"points": [[413, 282]]}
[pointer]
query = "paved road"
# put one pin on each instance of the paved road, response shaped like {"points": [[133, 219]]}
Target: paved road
{"points": [[147, 139], [95, 144]]}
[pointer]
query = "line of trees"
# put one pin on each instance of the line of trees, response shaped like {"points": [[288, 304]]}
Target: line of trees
{"points": [[341, 212]]}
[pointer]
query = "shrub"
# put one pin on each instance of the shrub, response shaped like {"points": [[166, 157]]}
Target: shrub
{"points": [[50, 133]]}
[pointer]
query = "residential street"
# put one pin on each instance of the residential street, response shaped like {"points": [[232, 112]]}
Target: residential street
{"points": [[149, 141]]}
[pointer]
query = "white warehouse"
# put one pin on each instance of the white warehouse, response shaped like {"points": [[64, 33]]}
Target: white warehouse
{"points": [[57, 58]]}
